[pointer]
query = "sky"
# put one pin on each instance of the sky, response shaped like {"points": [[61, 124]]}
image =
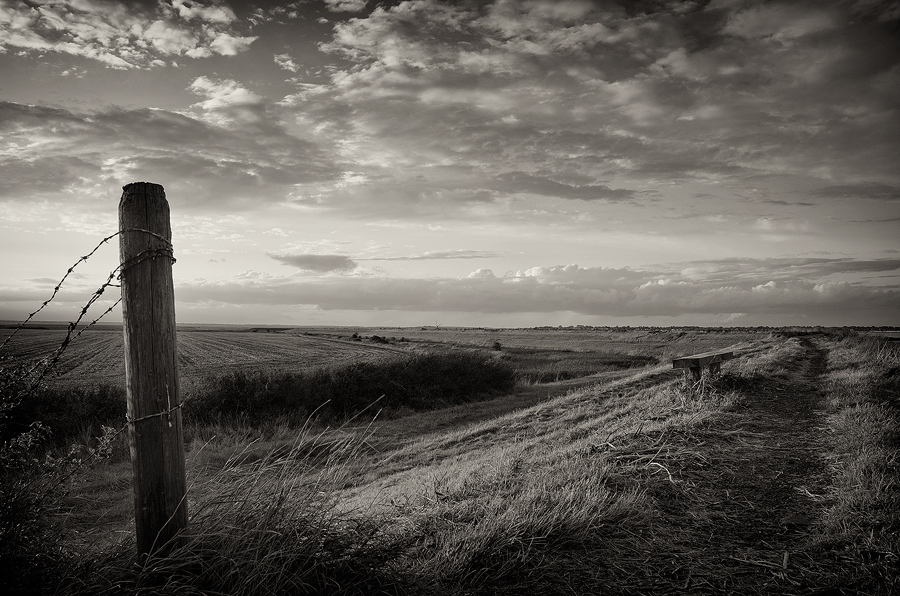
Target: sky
{"points": [[506, 163]]}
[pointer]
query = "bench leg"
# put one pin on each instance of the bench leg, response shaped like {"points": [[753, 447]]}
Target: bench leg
{"points": [[715, 368], [696, 373]]}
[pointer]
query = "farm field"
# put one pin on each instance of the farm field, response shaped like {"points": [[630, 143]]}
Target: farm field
{"points": [[97, 356], [540, 355]]}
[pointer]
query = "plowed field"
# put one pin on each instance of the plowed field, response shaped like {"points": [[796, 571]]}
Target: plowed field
{"points": [[545, 355], [97, 356]]}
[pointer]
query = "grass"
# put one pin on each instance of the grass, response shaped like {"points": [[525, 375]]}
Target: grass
{"points": [[70, 413], [494, 518], [36, 465], [268, 526], [534, 366], [631, 486], [316, 517], [862, 522], [39, 473]]}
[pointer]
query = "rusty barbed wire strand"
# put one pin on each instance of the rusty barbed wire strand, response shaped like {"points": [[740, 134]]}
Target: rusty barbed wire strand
{"points": [[48, 362]]}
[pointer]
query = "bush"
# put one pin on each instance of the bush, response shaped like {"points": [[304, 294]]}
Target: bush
{"points": [[423, 382], [35, 422], [29, 551], [67, 413]]}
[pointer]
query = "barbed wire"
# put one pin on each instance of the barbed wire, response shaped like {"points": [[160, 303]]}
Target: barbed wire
{"points": [[72, 268], [70, 465], [45, 364]]}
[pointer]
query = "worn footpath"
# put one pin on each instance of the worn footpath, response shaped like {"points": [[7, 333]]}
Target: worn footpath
{"points": [[738, 514]]}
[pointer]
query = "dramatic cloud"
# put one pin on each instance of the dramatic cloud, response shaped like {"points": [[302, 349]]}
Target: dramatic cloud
{"points": [[697, 159], [245, 164], [589, 89], [121, 35]]}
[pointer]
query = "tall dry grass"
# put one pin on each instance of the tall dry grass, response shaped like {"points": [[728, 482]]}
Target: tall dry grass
{"points": [[266, 525], [862, 521], [523, 502]]}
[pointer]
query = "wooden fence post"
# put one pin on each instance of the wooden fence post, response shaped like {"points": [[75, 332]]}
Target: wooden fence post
{"points": [[155, 434]]}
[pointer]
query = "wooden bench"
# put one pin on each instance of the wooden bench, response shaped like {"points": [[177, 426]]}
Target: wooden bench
{"points": [[696, 362]]}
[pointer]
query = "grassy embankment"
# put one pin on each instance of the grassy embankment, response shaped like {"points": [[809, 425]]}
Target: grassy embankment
{"points": [[555, 498], [47, 436], [862, 516]]}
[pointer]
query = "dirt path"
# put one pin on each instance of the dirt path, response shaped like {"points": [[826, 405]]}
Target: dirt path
{"points": [[739, 516]]}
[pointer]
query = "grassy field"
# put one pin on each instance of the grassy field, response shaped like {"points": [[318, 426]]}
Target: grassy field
{"points": [[779, 477]]}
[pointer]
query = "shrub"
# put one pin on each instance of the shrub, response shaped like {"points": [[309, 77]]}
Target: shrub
{"points": [[27, 543], [67, 413], [34, 423], [422, 382]]}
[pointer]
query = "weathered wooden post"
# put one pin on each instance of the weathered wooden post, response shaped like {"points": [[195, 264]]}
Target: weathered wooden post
{"points": [[155, 435]]}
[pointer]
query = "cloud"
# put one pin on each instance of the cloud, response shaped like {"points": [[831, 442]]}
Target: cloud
{"points": [[779, 21], [523, 97], [227, 44], [788, 203], [749, 271], [781, 225], [286, 62], [280, 13], [317, 263], [595, 291], [117, 34], [440, 255], [172, 40], [210, 13], [346, 5], [222, 94], [475, 110], [250, 162], [522, 182], [868, 190]]}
